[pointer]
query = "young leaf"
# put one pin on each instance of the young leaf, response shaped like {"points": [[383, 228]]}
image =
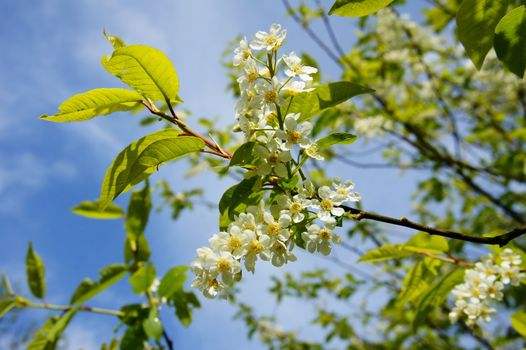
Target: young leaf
{"points": [[518, 321], [143, 278], [357, 8], [6, 285], [324, 96], [145, 69], [152, 325], [184, 303], [243, 155], [48, 335], [385, 252], [92, 210], [335, 138], [35, 273], [510, 40], [108, 276], [138, 212], [415, 283], [95, 102], [425, 243], [172, 281], [115, 41], [6, 306], [141, 158], [476, 22]]}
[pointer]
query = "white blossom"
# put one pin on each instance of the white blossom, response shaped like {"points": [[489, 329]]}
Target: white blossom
{"points": [[296, 69], [270, 41], [321, 238], [242, 54], [294, 133]]}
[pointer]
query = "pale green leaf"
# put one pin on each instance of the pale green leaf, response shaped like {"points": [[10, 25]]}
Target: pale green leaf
{"points": [[92, 210], [147, 70], [143, 278], [47, 336], [357, 8], [244, 155], [324, 96], [35, 273], [115, 41], [142, 157], [425, 243], [476, 22], [172, 281], [414, 284], [385, 252], [335, 138], [518, 321], [6, 305], [138, 212], [152, 325], [108, 276], [95, 102], [510, 40]]}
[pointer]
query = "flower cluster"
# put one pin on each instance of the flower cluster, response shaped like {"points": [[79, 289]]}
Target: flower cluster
{"points": [[293, 214], [483, 284]]}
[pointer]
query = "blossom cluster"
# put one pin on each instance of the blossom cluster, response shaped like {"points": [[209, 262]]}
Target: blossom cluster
{"points": [[483, 284]]}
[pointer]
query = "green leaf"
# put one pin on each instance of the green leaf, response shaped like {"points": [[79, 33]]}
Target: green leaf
{"points": [[145, 69], [385, 252], [184, 303], [415, 283], [108, 276], [335, 138], [6, 306], [115, 41], [142, 157], [510, 40], [92, 210], [308, 60], [324, 96], [357, 8], [136, 249], [425, 243], [133, 339], [244, 155], [172, 281], [138, 212], [476, 22], [143, 278], [436, 294], [152, 325], [95, 102], [6, 285], [48, 335], [35, 273], [518, 321]]}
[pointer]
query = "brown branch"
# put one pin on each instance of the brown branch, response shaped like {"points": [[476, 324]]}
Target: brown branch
{"points": [[500, 240]]}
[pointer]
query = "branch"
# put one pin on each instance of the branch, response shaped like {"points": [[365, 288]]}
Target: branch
{"points": [[500, 240], [80, 308]]}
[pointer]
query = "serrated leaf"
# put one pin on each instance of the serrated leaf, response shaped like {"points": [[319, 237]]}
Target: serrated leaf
{"points": [[357, 8], [425, 243], [324, 96], [152, 325], [385, 252], [172, 281], [94, 103], [335, 138], [518, 322], [436, 294], [476, 22], [142, 157], [92, 210], [145, 69], [510, 40], [143, 278], [115, 41], [35, 273], [244, 155], [108, 276]]}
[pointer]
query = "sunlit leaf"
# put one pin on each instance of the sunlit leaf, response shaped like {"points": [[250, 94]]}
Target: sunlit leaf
{"points": [[115, 41], [385, 252], [476, 22], [425, 243], [48, 335], [108, 276], [143, 278], [35, 273], [510, 40], [152, 325], [95, 102], [335, 138], [141, 158], [518, 321], [92, 210], [172, 281], [357, 8], [145, 69]]}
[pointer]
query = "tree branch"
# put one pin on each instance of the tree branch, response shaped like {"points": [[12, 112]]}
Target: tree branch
{"points": [[500, 240]]}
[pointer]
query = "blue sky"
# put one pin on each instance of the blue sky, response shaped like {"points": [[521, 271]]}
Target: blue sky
{"points": [[51, 50]]}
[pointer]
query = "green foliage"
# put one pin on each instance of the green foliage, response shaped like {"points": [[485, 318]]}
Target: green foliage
{"points": [[35, 273], [476, 22], [518, 321], [115, 41], [152, 325], [142, 157], [146, 70], [334, 139], [385, 252], [87, 289], [244, 155], [172, 282], [415, 283], [237, 198], [425, 243], [142, 279], [47, 337], [510, 40], [94, 103], [324, 96], [184, 303], [92, 210], [357, 8]]}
